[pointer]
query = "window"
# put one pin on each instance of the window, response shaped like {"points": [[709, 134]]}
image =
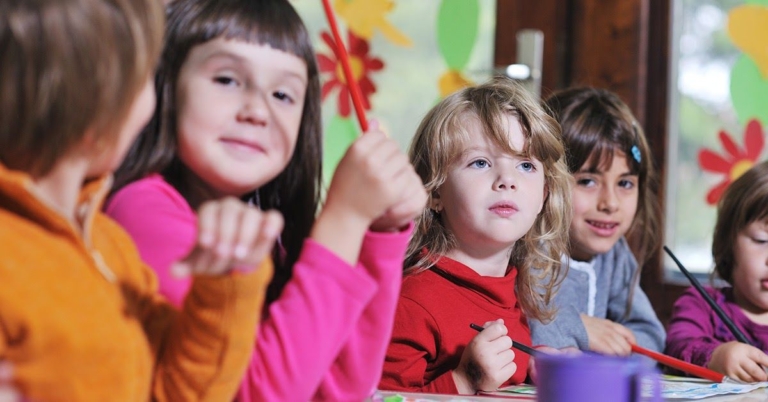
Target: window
{"points": [[717, 89]]}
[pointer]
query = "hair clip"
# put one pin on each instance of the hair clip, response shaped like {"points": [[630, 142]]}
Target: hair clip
{"points": [[636, 153]]}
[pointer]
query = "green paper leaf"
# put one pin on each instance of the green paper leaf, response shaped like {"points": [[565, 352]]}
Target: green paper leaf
{"points": [[457, 22], [749, 91], [339, 134]]}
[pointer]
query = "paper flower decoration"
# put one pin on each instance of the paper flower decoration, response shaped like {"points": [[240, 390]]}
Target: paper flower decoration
{"points": [[364, 16], [734, 161], [361, 63]]}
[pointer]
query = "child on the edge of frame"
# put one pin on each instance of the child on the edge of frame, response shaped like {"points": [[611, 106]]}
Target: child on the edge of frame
{"points": [[499, 190], [600, 306], [740, 250], [81, 316], [240, 115]]}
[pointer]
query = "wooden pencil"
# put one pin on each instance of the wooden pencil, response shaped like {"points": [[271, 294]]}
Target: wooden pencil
{"points": [[689, 368], [354, 87]]}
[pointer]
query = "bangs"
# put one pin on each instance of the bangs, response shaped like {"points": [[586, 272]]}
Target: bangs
{"points": [[264, 22], [595, 138], [494, 128]]}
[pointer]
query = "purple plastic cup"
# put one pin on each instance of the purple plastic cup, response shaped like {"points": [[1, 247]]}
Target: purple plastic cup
{"points": [[591, 377]]}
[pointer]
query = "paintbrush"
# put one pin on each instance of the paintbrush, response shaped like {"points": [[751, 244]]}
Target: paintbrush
{"points": [[720, 313], [354, 88]]}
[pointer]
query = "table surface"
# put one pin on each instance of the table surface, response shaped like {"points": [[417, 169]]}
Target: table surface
{"points": [[758, 395]]}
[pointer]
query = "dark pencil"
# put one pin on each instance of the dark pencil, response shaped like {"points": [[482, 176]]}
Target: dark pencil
{"points": [[517, 345], [720, 313]]}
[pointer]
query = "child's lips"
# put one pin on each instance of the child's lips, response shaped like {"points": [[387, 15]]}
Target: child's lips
{"points": [[504, 209], [602, 228], [242, 146]]}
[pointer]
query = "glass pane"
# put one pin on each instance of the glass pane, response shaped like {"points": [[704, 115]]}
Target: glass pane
{"points": [[717, 85], [411, 52]]}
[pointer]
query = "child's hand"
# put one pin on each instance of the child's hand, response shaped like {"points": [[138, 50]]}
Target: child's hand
{"points": [[608, 337], [487, 362], [373, 177], [231, 235], [413, 199], [739, 361]]}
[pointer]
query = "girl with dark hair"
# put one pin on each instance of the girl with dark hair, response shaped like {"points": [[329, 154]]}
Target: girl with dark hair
{"points": [[600, 304], [740, 251], [239, 115]]}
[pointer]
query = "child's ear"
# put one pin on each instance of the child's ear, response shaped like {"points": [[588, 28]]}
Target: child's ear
{"points": [[434, 202]]}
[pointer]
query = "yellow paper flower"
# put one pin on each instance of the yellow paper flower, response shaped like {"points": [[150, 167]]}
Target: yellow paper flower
{"points": [[452, 81], [364, 16]]}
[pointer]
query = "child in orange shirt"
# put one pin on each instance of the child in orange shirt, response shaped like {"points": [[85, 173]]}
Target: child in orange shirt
{"points": [[80, 315]]}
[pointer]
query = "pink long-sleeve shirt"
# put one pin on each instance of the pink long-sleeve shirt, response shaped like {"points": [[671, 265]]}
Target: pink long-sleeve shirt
{"points": [[325, 337]]}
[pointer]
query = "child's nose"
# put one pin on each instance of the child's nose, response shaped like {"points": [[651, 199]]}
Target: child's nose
{"points": [[608, 201], [254, 109], [505, 181]]}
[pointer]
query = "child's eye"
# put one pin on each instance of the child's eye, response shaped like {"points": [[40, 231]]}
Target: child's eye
{"points": [[479, 163], [283, 96], [627, 184], [528, 166], [585, 182], [225, 80]]}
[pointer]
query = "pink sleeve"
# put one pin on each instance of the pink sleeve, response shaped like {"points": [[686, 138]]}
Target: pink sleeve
{"points": [[306, 327], [357, 371], [162, 225]]}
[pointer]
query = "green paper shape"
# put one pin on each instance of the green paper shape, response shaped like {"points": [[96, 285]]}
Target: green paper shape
{"points": [[749, 91], [457, 23], [757, 2], [339, 135]]}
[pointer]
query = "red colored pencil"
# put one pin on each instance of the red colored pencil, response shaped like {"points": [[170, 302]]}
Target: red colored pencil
{"points": [[354, 88], [689, 368]]}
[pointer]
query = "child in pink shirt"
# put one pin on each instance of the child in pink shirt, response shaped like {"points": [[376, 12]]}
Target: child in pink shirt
{"points": [[239, 115]]}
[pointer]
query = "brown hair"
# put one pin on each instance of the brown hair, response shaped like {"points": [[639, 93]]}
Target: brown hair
{"points": [[745, 201], [437, 144], [295, 192], [70, 68], [595, 123]]}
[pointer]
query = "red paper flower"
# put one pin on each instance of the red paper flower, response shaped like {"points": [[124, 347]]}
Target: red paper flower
{"points": [[733, 162], [361, 64]]}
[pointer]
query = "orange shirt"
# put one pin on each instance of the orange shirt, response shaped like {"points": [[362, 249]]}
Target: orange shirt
{"points": [[81, 320]]}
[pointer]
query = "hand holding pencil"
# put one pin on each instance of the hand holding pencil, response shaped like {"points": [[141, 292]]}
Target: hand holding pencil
{"points": [[740, 362], [487, 361]]}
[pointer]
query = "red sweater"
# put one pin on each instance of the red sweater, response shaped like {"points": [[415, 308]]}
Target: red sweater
{"points": [[432, 325]]}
